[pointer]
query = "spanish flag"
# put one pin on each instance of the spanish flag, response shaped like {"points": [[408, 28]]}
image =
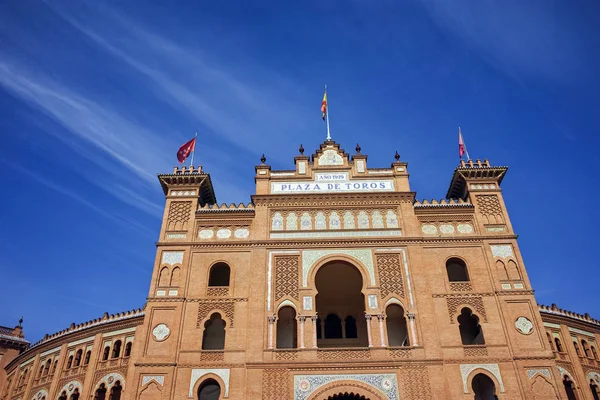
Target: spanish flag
{"points": [[324, 105]]}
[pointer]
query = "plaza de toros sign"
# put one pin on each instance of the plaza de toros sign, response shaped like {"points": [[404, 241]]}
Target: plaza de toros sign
{"points": [[334, 182]]}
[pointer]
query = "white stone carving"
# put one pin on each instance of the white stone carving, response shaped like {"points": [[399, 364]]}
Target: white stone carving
{"points": [[172, 257], [309, 257], [447, 229], [334, 221], [377, 219], [110, 379], [160, 379], [70, 387], [466, 369], [564, 372], [161, 293], [320, 221], [302, 168], [241, 233], [386, 384], [348, 220], [593, 375], [277, 222], [161, 332], [506, 286], [41, 393], [173, 292], [429, 229], [465, 228], [313, 234], [307, 304], [542, 371], [391, 220], [176, 235], [306, 222], [502, 250], [518, 286], [372, 299], [524, 325], [360, 166], [291, 222], [330, 157], [363, 220], [197, 374], [206, 234], [495, 228], [224, 233]]}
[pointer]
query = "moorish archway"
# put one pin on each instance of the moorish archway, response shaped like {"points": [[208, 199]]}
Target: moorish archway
{"points": [[347, 396]]}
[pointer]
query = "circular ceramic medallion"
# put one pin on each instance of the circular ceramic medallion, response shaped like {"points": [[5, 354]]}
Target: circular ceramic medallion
{"points": [[224, 233], [524, 325], [386, 384], [304, 385], [241, 233], [110, 380], [446, 228], [71, 386], [160, 332], [465, 228], [206, 234], [429, 229]]}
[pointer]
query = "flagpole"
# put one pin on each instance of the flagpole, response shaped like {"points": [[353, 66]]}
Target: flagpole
{"points": [[464, 143], [193, 151], [327, 115]]}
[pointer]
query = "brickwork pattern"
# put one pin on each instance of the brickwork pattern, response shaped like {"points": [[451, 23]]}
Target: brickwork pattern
{"points": [[461, 286], [475, 302], [489, 206], [414, 383], [204, 307], [343, 354], [275, 384], [179, 215], [218, 291], [286, 277], [390, 275]]}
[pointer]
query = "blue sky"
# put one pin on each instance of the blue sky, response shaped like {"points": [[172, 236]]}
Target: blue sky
{"points": [[96, 97]]}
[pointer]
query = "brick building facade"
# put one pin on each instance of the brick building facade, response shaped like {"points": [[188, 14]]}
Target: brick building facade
{"points": [[333, 283]]}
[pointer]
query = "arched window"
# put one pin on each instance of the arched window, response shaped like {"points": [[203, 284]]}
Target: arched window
{"points": [[115, 391], [558, 345], [586, 349], [116, 349], [483, 387], [78, 358], [55, 366], [457, 270], [75, 395], [47, 367], [23, 377], [163, 278], [470, 330], [128, 349], [287, 336], [219, 275], [88, 355], [577, 350], [70, 362], [41, 371], [594, 353], [569, 388], [63, 396], [350, 327], [513, 271], [333, 327], [549, 340], [209, 390], [100, 392], [594, 390], [106, 353], [213, 337], [396, 325], [174, 277]]}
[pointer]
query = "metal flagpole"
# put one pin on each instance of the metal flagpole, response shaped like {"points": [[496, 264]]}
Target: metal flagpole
{"points": [[464, 144], [327, 115], [194, 151]]}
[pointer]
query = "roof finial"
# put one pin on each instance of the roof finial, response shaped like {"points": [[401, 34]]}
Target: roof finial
{"points": [[397, 156], [357, 148], [263, 159], [301, 149], [21, 322]]}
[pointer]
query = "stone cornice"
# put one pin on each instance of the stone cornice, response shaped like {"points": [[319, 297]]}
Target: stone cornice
{"points": [[333, 199], [560, 316]]}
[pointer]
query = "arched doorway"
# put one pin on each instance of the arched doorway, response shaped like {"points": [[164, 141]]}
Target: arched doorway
{"points": [[347, 396], [569, 388], [483, 387], [209, 390], [340, 306]]}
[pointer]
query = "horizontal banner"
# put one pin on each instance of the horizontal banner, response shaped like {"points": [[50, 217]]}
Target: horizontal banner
{"points": [[332, 187]]}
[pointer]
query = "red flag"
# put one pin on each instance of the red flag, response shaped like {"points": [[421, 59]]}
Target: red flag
{"points": [[186, 150], [461, 144]]}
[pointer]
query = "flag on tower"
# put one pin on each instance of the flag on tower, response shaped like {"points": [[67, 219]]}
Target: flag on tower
{"points": [[186, 150], [324, 105], [462, 147]]}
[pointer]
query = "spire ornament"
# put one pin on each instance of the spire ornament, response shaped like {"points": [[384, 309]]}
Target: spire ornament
{"points": [[397, 156], [301, 150], [357, 148], [263, 159]]}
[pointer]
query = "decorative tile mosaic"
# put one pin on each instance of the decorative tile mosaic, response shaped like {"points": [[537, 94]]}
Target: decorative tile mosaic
{"points": [[502, 250], [206, 234], [160, 332], [197, 374], [391, 220], [466, 369], [307, 303], [241, 233], [330, 157], [172, 257], [320, 221], [224, 233], [464, 228], [309, 257], [363, 220], [524, 325], [277, 222], [377, 219], [160, 379], [429, 229], [446, 229], [305, 385], [348, 220], [543, 371], [306, 222], [291, 222], [313, 234]]}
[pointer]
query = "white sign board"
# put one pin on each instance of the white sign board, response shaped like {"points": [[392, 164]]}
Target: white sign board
{"points": [[332, 185]]}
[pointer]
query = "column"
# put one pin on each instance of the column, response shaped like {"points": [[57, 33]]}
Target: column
{"points": [[314, 330], [272, 320], [368, 318], [381, 318], [413, 330], [301, 322]]}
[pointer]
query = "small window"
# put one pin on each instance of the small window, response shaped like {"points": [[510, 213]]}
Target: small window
{"points": [[286, 328], [219, 275], [396, 325], [586, 349], [100, 392], [470, 330], [115, 391], [577, 350], [569, 388], [127, 349], [213, 337], [47, 367], [594, 353], [457, 270], [70, 362], [116, 349], [55, 366], [78, 357], [558, 345], [106, 353], [88, 355]]}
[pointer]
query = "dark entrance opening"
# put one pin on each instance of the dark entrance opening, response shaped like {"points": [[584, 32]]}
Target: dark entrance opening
{"points": [[347, 396]]}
